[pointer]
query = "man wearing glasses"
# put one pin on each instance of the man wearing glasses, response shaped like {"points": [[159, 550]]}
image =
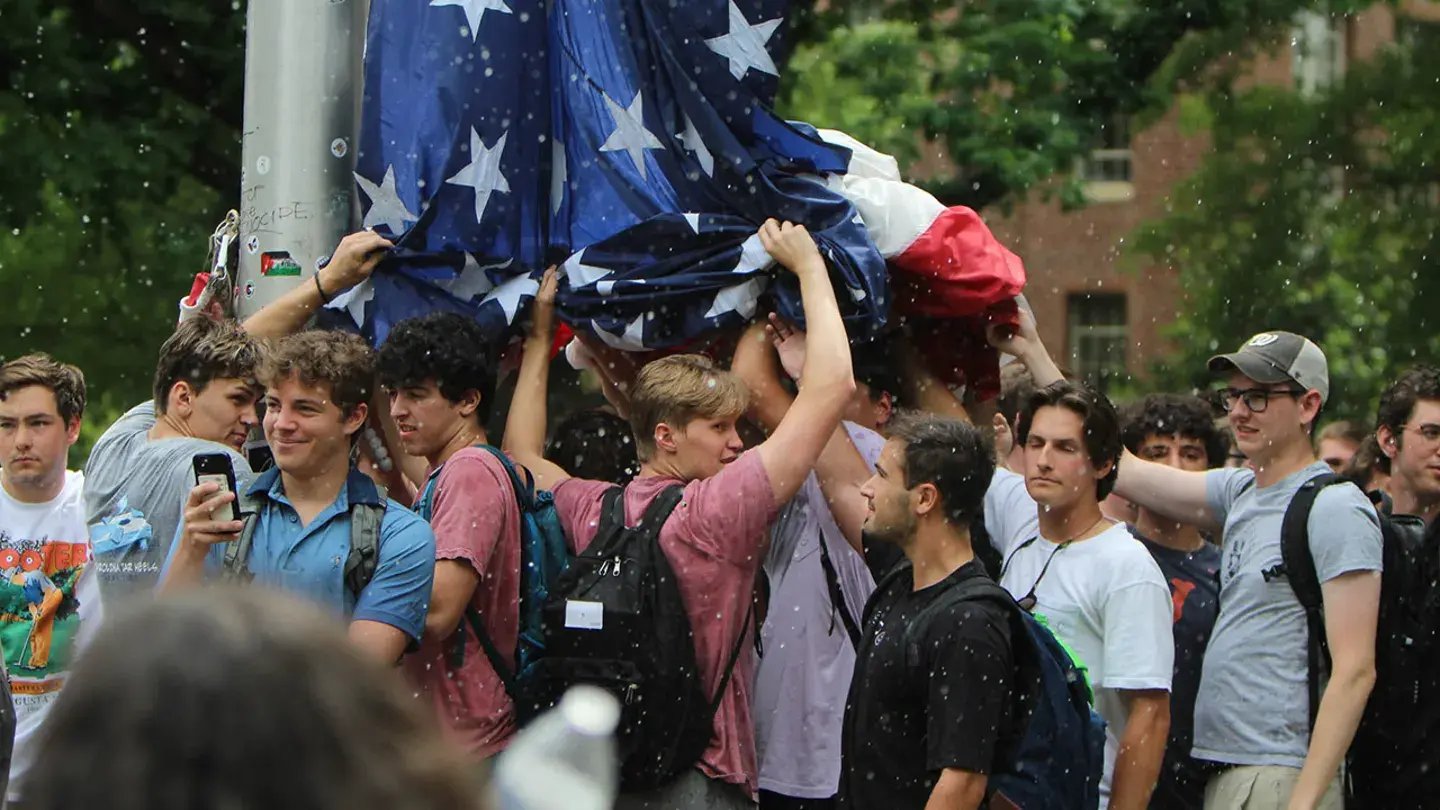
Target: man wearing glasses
{"points": [[1095, 586], [1409, 435], [1252, 714]]}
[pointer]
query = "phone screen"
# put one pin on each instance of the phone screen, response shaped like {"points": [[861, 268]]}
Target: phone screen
{"points": [[223, 481]]}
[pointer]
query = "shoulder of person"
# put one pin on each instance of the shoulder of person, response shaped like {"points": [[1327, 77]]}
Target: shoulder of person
{"points": [[400, 521], [1126, 556], [476, 462], [1341, 509]]}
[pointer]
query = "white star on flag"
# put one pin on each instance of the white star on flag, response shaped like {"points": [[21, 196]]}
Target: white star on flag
{"points": [[508, 294], [483, 172], [581, 274], [386, 207], [353, 301], [472, 281], [474, 11], [744, 46], [630, 134], [692, 141], [631, 341], [741, 298]]}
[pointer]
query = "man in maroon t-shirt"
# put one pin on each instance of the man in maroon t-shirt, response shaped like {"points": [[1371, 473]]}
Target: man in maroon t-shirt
{"points": [[439, 377], [683, 412]]}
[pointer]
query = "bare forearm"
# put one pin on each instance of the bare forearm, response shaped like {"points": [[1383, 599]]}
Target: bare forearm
{"points": [[828, 373], [1041, 366], [1139, 759], [957, 790], [525, 424], [289, 313], [842, 471], [755, 364], [186, 569], [1341, 707]]}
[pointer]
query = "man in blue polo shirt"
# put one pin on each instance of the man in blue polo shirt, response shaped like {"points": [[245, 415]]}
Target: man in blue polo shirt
{"points": [[317, 385]]}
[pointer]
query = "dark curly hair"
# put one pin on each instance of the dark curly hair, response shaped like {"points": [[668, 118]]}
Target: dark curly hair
{"points": [[444, 347], [1174, 415], [1398, 400], [595, 445], [1101, 424]]}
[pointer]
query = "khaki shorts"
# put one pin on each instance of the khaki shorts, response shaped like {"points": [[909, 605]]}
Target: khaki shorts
{"points": [[1261, 787]]}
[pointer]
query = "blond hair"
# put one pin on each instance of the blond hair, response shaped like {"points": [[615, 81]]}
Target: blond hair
{"points": [[65, 381], [676, 389], [342, 361]]}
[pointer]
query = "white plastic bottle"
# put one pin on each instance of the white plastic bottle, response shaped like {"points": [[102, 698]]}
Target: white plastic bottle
{"points": [[565, 760]]}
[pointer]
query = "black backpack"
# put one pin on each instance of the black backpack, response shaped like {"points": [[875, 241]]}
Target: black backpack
{"points": [[616, 619], [1382, 751]]}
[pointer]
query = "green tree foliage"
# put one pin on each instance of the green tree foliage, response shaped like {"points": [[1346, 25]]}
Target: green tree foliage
{"points": [[120, 143], [1011, 91], [1315, 214]]}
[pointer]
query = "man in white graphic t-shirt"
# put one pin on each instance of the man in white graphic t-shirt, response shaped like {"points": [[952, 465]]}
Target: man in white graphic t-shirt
{"points": [[1093, 583], [46, 585]]}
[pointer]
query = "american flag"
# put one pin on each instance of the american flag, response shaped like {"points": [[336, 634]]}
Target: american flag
{"points": [[631, 142]]}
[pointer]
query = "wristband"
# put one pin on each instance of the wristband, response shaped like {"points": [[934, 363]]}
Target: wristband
{"points": [[324, 299]]}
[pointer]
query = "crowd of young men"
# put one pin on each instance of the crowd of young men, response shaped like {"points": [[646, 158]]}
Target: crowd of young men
{"points": [[1160, 571]]}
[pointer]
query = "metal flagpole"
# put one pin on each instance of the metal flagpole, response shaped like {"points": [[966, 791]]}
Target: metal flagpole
{"points": [[302, 102]]}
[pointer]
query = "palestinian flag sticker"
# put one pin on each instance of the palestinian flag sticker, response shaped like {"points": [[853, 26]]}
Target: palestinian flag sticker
{"points": [[278, 263]]}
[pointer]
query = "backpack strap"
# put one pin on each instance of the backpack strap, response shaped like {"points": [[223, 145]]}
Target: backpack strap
{"points": [[524, 490], [1297, 565], [236, 567], [367, 511], [734, 657], [837, 596]]}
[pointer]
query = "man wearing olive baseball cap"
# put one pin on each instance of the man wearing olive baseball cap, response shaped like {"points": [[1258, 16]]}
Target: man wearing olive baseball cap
{"points": [[1253, 713]]}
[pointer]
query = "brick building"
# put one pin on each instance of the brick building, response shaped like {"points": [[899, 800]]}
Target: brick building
{"points": [[1103, 321]]}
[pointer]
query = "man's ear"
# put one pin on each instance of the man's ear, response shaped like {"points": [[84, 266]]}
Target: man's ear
{"points": [[356, 419], [927, 499], [665, 438], [1104, 470], [884, 409], [1388, 441], [180, 400], [72, 431], [469, 402], [1310, 409]]}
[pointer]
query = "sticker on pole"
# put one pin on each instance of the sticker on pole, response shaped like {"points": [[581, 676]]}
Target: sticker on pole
{"points": [[278, 263]]}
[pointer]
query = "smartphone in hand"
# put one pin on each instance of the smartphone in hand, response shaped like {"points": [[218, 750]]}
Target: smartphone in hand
{"points": [[216, 467]]}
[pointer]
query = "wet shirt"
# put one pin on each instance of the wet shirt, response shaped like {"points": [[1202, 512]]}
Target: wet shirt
{"points": [[931, 691], [51, 605], [1194, 580], [476, 521], [714, 541], [1253, 705], [135, 493], [803, 675]]}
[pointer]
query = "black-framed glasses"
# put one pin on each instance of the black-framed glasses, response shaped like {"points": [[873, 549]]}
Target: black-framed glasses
{"points": [[1256, 399]]}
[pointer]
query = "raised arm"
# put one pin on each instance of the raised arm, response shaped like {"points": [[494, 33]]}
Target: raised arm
{"points": [[1023, 342], [923, 390], [525, 424], [828, 383], [840, 469], [355, 258], [1174, 493]]}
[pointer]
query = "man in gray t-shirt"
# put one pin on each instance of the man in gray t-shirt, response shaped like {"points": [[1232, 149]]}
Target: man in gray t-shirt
{"points": [[135, 490], [1252, 714], [140, 471]]}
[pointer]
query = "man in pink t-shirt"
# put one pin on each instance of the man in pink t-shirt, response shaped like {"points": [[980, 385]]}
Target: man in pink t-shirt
{"points": [[683, 412], [439, 377]]}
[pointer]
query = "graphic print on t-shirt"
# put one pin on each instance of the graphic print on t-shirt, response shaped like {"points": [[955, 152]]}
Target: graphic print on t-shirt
{"points": [[125, 531], [39, 611]]}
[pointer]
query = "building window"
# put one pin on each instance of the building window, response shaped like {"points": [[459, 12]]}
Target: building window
{"points": [[1317, 48], [1107, 171], [1098, 337]]}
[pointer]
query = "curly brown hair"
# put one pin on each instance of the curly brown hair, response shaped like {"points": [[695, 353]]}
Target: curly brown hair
{"points": [[240, 699], [65, 381], [341, 361]]}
